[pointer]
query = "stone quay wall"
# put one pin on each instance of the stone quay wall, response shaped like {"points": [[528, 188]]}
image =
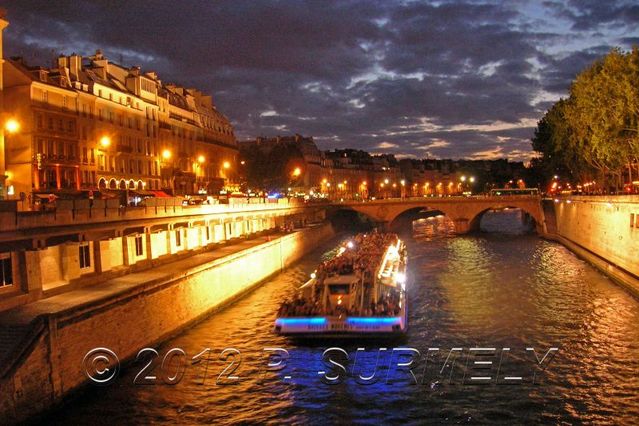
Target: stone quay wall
{"points": [[52, 364], [602, 230]]}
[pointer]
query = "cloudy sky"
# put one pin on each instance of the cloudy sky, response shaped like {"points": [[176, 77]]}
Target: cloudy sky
{"points": [[445, 79]]}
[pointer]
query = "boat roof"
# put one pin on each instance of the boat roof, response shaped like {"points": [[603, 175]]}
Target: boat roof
{"points": [[341, 279]]}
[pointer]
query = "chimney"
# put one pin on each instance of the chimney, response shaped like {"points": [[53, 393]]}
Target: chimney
{"points": [[63, 62], [100, 61], [75, 66]]}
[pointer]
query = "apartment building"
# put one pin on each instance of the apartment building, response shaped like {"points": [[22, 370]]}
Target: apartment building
{"points": [[90, 124]]}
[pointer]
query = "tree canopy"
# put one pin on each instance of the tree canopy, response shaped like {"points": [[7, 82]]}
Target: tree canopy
{"points": [[594, 133]]}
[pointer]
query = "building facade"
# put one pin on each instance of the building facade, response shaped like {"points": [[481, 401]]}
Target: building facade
{"points": [[94, 125]]}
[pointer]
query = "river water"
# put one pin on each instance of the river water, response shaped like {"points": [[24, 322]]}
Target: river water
{"points": [[490, 290]]}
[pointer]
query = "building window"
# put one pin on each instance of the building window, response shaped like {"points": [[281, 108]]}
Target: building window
{"points": [[632, 220], [178, 238], [139, 245], [6, 270], [84, 251], [208, 233]]}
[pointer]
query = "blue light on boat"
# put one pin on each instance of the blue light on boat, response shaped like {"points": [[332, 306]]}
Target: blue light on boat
{"points": [[373, 320], [301, 321]]}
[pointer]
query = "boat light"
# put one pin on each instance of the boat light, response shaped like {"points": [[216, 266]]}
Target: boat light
{"points": [[301, 321], [373, 320]]}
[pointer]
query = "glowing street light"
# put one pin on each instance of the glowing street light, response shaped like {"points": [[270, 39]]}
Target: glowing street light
{"points": [[472, 179], [12, 125], [226, 165], [463, 178], [166, 154], [297, 172], [402, 182], [201, 159], [105, 141]]}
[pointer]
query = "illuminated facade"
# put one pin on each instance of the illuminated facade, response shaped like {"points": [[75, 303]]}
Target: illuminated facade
{"points": [[91, 124]]}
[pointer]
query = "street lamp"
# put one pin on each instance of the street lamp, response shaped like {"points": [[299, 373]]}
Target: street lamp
{"points": [[201, 159], [105, 141], [297, 172], [472, 179], [226, 165], [166, 154], [463, 178], [12, 125]]}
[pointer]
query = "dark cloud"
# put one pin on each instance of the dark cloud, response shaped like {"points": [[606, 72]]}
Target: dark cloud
{"points": [[595, 14], [451, 79]]}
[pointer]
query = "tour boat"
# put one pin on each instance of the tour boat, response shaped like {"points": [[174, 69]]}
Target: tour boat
{"points": [[361, 292]]}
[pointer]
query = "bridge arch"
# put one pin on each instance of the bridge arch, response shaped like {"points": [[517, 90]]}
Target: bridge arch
{"points": [[348, 218], [474, 221], [465, 212], [402, 220]]}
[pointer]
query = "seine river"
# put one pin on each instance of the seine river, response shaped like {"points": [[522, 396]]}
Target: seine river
{"points": [[517, 295]]}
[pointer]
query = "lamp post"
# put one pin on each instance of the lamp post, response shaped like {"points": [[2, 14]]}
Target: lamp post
{"points": [[11, 126], [166, 174], [295, 174], [201, 159]]}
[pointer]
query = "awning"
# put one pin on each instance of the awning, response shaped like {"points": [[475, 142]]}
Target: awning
{"points": [[161, 194]]}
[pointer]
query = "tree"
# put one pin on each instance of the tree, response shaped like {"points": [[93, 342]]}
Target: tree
{"points": [[597, 128]]}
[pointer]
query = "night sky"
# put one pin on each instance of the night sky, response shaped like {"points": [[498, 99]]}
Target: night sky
{"points": [[442, 79]]}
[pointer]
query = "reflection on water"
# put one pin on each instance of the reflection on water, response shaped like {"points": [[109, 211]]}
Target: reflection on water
{"points": [[485, 290]]}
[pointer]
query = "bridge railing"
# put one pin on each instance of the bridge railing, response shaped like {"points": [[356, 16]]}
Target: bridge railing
{"points": [[448, 198], [75, 212]]}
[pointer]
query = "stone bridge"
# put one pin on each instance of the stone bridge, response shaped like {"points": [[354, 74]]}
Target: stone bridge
{"points": [[465, 212]]}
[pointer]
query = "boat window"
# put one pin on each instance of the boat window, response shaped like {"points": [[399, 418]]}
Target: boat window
{"points": [[338, 288]]}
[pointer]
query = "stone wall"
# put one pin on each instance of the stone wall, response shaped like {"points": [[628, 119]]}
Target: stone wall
{"points": [[146, 314], [603, 230]]}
